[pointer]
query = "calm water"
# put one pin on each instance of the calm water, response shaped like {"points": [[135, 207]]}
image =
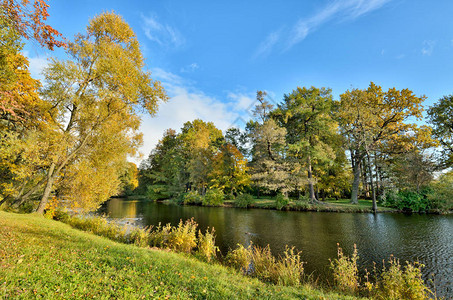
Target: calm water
{"points": [[426, 238]]}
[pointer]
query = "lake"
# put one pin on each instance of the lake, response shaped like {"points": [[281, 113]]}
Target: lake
{"points": [[426, 238]]}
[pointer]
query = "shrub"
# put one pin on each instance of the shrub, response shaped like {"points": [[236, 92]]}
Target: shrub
{"points": [[345, 271], [263, 264], [281, 201], [244, 201], [206, 248], [396, 283], [302, 205], [160, 236], [60, 215], [26, 208], [192, 197], [290, 268], [407, 200], [412, 201], [213, 197], [239, 258], [183, 238], [140, 236], [99, 226]]}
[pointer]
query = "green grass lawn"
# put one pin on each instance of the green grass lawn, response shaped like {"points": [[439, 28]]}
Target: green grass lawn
{"points": [[41, 258]]}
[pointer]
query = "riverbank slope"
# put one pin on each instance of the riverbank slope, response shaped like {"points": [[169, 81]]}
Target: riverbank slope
{"points": [[48, 259]]}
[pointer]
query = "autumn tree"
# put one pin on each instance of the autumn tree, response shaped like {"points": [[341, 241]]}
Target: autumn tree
{"points": [[28, 18], [371, 118], [229, 170], [306, 115], [94, 102], [202, 141], [22, 116]]}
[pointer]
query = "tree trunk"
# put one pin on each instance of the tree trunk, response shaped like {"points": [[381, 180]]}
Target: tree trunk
{"points": [[311, 187], [47, 190], [373, 190], [355, 184], [365, 184]]}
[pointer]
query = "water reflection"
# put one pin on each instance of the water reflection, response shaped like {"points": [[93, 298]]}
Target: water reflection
{"points": [[427, 238]]}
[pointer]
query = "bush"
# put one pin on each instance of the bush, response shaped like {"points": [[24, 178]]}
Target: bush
{"points": [[192, 197], [213, 197], [281, 201], [290, 268], [244, 201], [60, 215], [206, 248], [239, 258], [263, 264], [99, 226], [407, 200], [396, 283], [345, 271], [140, 236], [160, 236], [302, 205], [183, 238]]}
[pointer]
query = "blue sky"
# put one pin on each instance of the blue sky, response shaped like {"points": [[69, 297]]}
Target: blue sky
{"points": [[213, 56]]}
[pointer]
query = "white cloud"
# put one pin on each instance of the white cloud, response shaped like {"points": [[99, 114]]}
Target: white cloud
{"points": [[37, 65], [428, 47], [241, 102], [162, 34], [190, 68], [187, 104], [341, 10]]}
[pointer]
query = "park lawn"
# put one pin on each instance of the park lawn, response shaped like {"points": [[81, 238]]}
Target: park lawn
{"points": [[41, 258]]}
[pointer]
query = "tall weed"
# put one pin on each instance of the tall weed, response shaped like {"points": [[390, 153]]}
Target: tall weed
{"points": [[206, 248], [240, 258], [345, 271], [290, 268]]}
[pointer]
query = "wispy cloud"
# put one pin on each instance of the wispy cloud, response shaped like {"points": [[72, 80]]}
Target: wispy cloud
{"points": [[340, 10], [266, 46], [162, 34], [428, 47], [190, 68]]}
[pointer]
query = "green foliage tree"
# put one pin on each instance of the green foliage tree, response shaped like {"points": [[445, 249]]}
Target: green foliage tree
{"points": [[164, 169], [306, 115], [440, 115], [441, 196], [269, 167]]}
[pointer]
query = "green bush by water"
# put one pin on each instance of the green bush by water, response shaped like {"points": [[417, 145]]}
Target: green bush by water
{"points": [[244, 201], [281, 201], [213, 197]]}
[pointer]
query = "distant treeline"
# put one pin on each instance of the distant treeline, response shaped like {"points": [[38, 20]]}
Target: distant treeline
{"points": [[311, 146]]}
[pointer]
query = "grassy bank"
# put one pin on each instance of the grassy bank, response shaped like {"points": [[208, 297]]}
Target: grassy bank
{"points": [[40, 258], [341, 205]]}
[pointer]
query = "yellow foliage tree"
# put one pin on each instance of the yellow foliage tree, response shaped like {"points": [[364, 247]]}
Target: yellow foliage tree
{"points": [[94, 101]]}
